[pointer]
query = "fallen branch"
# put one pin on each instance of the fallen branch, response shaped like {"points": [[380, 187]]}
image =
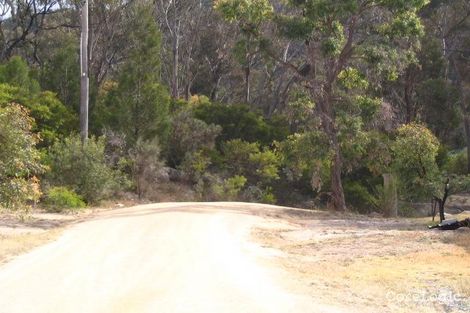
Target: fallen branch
{"points": [[452, 224]]}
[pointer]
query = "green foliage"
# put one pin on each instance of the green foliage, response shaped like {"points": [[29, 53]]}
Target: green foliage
{"points": [[294, 27], [378, 157], [248, 13], [195, 165], [19, 158], [237, 155], [303, 154], [59, 199], [414, 152], [361, 198], [231, 188], [8, 94], [81, 168], [368, 107], [351, 78], [188, 135], [238, 122], [61, 73], [354, 140], [333, 44], [16, 73], [404, 24], [267, 164], [298, 112], [247, 159], [456, 163], [268, 196], [138, 105], [52, 119]]}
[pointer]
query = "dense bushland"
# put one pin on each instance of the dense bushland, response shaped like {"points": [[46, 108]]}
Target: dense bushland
{"points": [[308, 103]]}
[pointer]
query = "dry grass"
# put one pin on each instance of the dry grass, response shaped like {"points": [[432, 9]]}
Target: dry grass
{"points": [[13, 245], [21, 233], [376, 265]]}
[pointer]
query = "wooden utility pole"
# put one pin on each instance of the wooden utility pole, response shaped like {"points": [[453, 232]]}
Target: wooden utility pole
{"points": [[84, 82]]}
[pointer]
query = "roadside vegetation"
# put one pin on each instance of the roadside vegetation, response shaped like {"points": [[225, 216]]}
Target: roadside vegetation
{"points": [[358, 105]]}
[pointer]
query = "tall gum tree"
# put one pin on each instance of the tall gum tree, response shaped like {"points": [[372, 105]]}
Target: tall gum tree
{"points": [[373, 39], [249, 15], [452, 25]]}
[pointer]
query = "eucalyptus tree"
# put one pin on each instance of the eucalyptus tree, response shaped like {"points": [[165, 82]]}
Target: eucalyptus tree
{"points": [[180, 22], [137, 105], [451, 21], [249, 16], [348, 47]]}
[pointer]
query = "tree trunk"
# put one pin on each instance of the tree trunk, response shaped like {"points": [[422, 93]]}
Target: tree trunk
{"points": [[215, 89], [329, 127], [337, 192], [247, 84], [174, 82]]}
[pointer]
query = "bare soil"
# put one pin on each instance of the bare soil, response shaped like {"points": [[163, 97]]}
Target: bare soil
{"points": [[372, 264], [230, 257]]}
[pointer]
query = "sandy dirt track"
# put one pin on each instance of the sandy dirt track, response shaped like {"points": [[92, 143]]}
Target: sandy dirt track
{"points": [[173, 257]]}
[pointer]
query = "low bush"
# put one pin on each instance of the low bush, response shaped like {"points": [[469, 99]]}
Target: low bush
{"points": [[194, 165], [59, 199], [239, 122], [146, 163], [231, 188], [19, 158], [247, 159], [82, 168], [188, 135]]}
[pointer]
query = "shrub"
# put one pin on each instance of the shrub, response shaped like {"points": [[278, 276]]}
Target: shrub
{"points": [[238, 122], [237, 155], [82, 168], [231, 188], [59, 199], [188, 135], [244, 158], [415, 151], [268, 197], [146, 163], [457, 163], [195, 165], [267, 165], [19, 159]]}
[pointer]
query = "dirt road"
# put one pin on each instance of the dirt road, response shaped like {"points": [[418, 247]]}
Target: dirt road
{"points": [[189, 257]]}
